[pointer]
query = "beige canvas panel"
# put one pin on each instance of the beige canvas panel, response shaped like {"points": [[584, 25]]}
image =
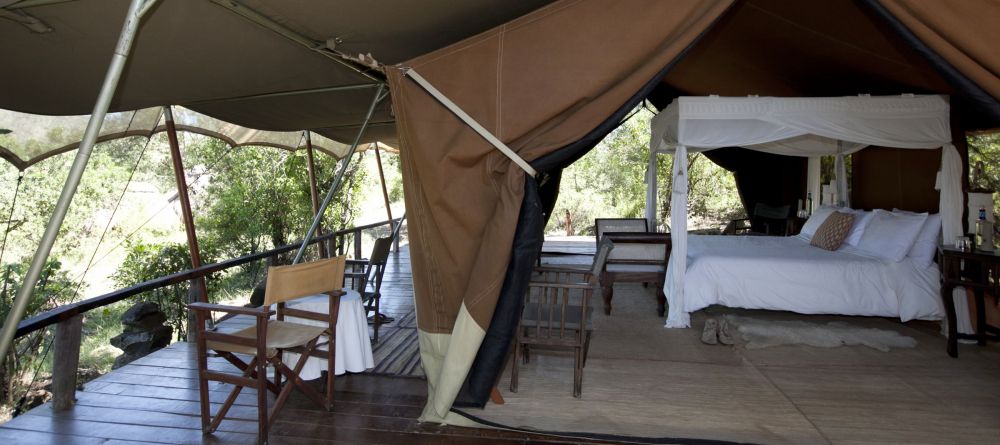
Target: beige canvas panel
{"points": [[299, 280], [538, 83]]}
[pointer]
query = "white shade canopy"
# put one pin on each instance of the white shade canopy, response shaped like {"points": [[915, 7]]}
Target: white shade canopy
{"points": [[803, 126], [799, 127]]}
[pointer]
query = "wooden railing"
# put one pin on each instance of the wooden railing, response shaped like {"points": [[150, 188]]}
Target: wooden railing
{"points": [[69, 318]]}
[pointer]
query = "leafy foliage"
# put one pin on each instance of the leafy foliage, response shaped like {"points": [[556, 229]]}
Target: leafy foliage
{"points": [[147, 261], [27, 353], [984, 165], [609, 181]]}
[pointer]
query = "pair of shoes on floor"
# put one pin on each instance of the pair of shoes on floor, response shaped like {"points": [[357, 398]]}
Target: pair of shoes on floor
{"points": [[716, 333], [382, 318]]}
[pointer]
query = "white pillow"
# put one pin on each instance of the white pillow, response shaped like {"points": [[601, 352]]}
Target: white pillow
{"points": [[925, 246], [861, 220], [815, 220], [891, 235]]}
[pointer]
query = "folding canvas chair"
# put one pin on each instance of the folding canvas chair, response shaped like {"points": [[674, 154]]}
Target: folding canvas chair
{"points": [[368, 275], [266, 340], [557, 314]]}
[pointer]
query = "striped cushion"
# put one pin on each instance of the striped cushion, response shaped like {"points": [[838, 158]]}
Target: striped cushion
{"points": [[832, 233]]}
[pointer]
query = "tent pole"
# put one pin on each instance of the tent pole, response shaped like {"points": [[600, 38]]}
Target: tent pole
{"points": [[651, 191], [381, 177], [313, 194], [197, 284], [340, 175], [111, 78], [385, 193]]}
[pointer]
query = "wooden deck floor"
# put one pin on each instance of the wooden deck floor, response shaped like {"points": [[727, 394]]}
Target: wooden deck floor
{"points": [[155, 400], [849, 395]]}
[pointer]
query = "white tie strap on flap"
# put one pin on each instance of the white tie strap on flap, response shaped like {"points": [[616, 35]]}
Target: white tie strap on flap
{"points": [[470, 121]]}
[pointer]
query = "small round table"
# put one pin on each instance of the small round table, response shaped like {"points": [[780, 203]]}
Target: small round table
{"points": [[354, 349]]}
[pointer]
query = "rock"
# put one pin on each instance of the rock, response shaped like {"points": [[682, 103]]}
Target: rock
{"points": [[144, 333], [146, 323], [257, 297], [138, 311]]}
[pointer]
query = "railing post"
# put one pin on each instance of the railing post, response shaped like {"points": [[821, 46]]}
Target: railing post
{"points": [[66, 361], [357, 244]]}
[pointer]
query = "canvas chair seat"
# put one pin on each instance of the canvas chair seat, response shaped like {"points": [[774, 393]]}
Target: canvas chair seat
{"points": [[280, 335], [643, 268]]}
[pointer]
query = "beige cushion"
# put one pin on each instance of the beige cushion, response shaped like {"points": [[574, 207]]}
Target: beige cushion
{"points": [[638, 251], [832, 233], [280, 335], [652, 268]]}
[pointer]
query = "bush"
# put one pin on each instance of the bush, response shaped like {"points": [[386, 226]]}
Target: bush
{"points": [[147, 261]]}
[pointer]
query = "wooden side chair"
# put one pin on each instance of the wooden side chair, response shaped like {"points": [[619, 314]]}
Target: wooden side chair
{"points": [[366, 276], [557, 314], [266, 340]]}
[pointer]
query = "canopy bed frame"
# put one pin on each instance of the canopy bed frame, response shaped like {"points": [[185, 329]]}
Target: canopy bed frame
{"points": [[808, 127]]}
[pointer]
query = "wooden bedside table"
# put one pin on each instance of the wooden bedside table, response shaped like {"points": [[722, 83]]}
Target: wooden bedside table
{"points": [[975, 269]]}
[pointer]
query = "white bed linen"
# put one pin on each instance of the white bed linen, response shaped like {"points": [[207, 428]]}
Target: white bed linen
{"points": [[786, 273]]}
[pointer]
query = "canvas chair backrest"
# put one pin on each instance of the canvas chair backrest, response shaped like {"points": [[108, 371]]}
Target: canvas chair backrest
{"points": [[380, 252], [299, 280]]}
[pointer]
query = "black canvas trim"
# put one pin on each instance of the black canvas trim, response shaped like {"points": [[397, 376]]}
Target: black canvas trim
{"points": [[987, 108], [604, 437]]}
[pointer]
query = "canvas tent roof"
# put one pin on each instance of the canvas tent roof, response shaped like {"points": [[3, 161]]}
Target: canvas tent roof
{"points": [[33, 138], [202, 55]]}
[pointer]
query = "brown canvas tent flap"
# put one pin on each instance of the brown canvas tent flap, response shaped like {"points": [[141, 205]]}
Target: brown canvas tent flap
{"points": [[538, 83], [965, 33]]}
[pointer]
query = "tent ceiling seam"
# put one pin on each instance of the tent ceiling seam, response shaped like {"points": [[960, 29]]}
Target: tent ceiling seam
{"points": [[313, 45]]}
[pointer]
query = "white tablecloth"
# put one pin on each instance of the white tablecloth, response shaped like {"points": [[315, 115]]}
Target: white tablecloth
{"points": [[354, 349]]}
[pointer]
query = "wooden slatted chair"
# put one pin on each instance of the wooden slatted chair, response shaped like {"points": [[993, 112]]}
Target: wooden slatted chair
{"points": [[557, 314], [266, 340], [367, 280]]}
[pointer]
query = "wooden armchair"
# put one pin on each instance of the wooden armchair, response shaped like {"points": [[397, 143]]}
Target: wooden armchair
{"points": [[367, 274], [557, 314], [266, 340]]}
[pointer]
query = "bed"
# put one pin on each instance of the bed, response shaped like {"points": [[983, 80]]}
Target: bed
{"points": [[786, 273]]}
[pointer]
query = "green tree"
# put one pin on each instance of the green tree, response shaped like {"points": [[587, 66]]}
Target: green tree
{"points": [[609, 181], [147, 261], [984, 165]]}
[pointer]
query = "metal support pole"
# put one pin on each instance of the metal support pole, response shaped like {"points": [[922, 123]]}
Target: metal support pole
{"points": [[129, 30], [313, 194], [198, 284], [340, 176]]}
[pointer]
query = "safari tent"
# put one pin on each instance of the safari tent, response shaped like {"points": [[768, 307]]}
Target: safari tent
{"points": [[542, 81]]}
